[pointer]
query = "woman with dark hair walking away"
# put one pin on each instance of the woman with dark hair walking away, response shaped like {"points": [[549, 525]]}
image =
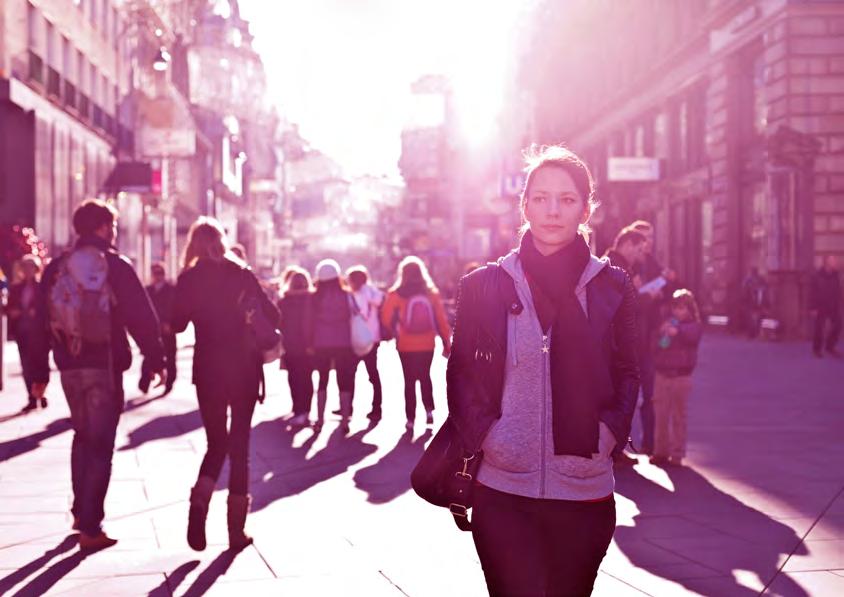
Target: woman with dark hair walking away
{"points": [[212, 292], [331, 339], [23, 326], [414, 310], [542, 383], [295, 308]]}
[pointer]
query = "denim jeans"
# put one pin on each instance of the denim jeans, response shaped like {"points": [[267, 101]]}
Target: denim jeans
{"points": [[96, 401], [416, 366], [540, 547], [647, 372], [227, 437]]}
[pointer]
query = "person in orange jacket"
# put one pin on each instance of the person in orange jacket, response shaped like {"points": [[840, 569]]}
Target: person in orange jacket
{"points": [[414, 310]]}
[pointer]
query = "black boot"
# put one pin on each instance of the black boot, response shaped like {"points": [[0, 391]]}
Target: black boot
{"points": [[200, 497], [238, 509]]}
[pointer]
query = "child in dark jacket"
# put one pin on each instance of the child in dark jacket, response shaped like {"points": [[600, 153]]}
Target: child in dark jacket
{"points": [[675, 360], [295, 308]]}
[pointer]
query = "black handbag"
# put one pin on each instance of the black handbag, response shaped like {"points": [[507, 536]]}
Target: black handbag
{"points": [[445, 475]]}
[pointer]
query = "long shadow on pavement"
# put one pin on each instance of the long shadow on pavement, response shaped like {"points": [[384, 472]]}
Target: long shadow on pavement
{"points": [[25, 571], [727, 536], [292, 472], [209, 576], [173, 580], [21, 445], [388, 478], [164, 427], [42, 583]]}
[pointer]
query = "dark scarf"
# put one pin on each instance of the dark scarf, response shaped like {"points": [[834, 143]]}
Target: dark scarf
{"points": [[575, 354]]}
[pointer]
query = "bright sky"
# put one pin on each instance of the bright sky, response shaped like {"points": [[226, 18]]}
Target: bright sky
{"points": [[342, 69]]}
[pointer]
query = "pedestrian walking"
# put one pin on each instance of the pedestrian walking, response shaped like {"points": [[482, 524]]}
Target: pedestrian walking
{"points": [[755, 301], [414, 309], [23, 322], [675, 358], [162, 294], [90, 296], [825, 306], [655, 284], [330, 339], [295, 308], [218, 293], [542, 383], [626, 253], [369, 301]]}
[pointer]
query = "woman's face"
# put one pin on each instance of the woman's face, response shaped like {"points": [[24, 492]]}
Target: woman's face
{"points": [[554, 209]]}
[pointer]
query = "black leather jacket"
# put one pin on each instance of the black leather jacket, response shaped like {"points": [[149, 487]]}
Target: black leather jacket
{"points": [[475, 373]]}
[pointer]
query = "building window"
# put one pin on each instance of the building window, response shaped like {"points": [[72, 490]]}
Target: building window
{"points": [[639, 141], [661, 139], [696, 122]]}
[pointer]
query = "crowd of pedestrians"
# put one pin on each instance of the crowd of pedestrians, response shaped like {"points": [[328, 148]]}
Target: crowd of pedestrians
{"points": [[554, 349]]}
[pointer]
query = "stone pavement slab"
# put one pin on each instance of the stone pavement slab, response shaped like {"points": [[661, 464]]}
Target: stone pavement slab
{"points": [[758, 508]]}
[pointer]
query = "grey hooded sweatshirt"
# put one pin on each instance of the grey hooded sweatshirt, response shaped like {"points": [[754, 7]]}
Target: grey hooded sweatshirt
{"points": [[519, 448]]}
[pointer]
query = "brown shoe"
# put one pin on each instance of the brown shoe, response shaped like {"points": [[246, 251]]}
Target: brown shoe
{"points": [[75, 525], [92, 543]]}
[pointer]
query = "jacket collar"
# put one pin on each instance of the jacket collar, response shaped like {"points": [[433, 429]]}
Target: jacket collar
{"points": [[513, 266], [94, 241]]}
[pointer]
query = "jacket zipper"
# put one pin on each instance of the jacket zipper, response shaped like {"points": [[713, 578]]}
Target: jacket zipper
{"points": [[544, 406]]}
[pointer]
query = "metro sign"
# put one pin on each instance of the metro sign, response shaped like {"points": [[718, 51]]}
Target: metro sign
{"points": [[624, 169]]}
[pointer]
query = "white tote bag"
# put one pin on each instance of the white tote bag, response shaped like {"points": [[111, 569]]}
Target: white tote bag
{"points": [[362, 337]]}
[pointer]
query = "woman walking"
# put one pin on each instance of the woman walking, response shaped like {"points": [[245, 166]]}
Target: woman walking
{"points": [[331, 340], [675, 358], [413, 309], [22, 322], [368, 300], [211, 293], [543, 379], [295, 308]]}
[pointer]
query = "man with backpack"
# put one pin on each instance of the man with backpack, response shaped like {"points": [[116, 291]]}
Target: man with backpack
{"points": [[90, 296]]}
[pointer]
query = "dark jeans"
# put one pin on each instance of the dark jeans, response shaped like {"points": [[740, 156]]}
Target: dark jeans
{"points": [[25, 350], [344, 362], [647, 373], [95, 403], [370, 361], [215, 401], [834, 319], [540, 547], [300, 370], [416, 366]]}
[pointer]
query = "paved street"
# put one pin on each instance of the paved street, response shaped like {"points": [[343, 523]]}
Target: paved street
{"points": [[760, 507]]}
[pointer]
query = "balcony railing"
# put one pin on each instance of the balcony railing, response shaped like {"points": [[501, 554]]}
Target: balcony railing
{"points": [[36, 68], [54, 83], [97, 118], [109, 125], [84, 107], [69, 94]]}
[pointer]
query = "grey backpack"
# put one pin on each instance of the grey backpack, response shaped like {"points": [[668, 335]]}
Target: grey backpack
{"points": [[80, 300]]}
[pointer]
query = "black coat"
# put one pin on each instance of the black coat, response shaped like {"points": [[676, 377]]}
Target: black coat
{"points": [[162, 299], [825, 292], [132, 312], [22, 318], [296, 321], [475, 373], [208, 294]]}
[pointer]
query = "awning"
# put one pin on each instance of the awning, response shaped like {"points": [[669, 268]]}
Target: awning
{"points": [[129, 177]]}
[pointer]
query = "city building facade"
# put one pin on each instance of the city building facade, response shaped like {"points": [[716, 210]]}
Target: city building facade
{"points": [[720, 121]]}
